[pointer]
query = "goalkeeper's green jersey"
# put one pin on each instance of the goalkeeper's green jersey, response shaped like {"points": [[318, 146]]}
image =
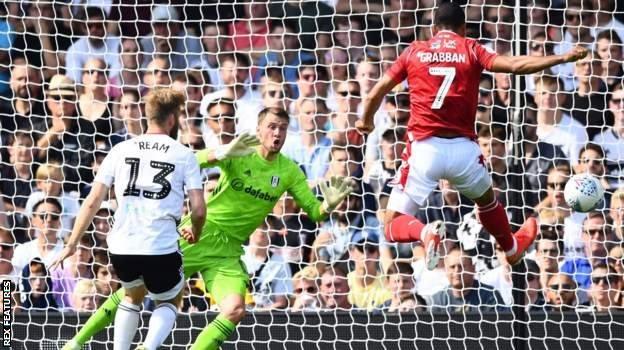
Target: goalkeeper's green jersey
{"points": [[247, 191]]}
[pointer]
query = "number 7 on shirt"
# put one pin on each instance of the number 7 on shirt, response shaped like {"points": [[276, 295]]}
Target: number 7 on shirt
{"points": [[449, 74]]}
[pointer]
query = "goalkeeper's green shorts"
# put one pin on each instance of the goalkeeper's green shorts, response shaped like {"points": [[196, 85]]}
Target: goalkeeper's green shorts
{"points": [[222, 276]]}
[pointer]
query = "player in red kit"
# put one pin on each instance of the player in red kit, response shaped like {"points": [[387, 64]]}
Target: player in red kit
{"points": [[443, 76]]}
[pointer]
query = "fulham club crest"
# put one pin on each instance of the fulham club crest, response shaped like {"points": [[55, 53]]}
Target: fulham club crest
{"points": [[274, 181]]}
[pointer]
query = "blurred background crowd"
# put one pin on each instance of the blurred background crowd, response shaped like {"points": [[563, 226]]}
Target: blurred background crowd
{"points": [[73, 74]]}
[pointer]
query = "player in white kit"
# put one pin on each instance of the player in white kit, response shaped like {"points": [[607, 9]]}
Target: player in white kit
{"points": [[150, 174]]}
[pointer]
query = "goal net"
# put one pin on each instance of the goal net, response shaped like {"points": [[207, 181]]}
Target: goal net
{"points": [[73, 79]]}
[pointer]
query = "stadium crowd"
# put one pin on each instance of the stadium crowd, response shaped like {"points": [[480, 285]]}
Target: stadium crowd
{"points": [[73, 75]]}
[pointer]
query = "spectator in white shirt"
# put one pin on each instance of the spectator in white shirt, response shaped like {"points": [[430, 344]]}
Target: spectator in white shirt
{"points": [[553, 125], [95, 44]]}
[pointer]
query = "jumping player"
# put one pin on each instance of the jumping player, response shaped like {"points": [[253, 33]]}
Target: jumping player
{"points": [[443, 76]]}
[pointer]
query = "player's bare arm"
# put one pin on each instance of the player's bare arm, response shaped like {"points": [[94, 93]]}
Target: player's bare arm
{"points": [[85, 216], [372, 101], [533, 64], [198, 215]]}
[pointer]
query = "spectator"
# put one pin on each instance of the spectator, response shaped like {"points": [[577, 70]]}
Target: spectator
{"points": [[306, 295], [49, 183], [500, 277], [274, 92], [588, 102], [86, 296], [102, 225], [349, 35], [605, 289], [541, 46], [46, 245], [66, 279], [367, 289], [97, 43], [335, 289], [70, 139], [498, 25], [344, 118], [592, 161], [612, 139], [157, 74], [579, 19], [104, 274], [557, 179], [609, 48], [16, 182], [312, 83], [93, 102], [311, 148], [605, 20], [561, 293], [553, 125], [337, 59], [385, 169], [249, 33], [617, 213], [548, 254], [129, 77], [25, 110], [213, 40], [130, 113], [190, 86], [485, 102], [270, 275], [35, 286], [616, 258], [220, 122], [464, 292], [400, 279], [169, 39], [7, 245]]}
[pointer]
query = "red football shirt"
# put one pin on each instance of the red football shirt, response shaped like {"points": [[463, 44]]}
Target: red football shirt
{"points": [[443, 76]]}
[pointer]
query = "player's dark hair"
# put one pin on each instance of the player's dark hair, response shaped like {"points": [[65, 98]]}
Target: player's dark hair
{"points": [[279, 112], [449, 15]]}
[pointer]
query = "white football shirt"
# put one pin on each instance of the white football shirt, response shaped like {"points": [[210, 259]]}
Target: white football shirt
{"points": [[150, 174]]}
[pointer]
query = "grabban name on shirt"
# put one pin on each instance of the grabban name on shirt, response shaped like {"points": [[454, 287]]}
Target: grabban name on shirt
{"points": [[427, 57], [145, 145]]}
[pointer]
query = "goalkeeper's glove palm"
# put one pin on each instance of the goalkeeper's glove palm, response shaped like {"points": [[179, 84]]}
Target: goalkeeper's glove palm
{"points": [[338, 189], [239, 147]]}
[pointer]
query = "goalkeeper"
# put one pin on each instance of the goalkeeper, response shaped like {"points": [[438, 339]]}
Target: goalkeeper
{"points": [[252, 181]]}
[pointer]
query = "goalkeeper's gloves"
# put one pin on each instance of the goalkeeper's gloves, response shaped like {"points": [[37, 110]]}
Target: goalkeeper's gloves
{"points": [[338, 189], [239, 147]]}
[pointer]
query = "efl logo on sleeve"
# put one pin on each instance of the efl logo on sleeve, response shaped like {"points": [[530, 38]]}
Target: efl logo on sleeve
{"points": [[274, 181]]}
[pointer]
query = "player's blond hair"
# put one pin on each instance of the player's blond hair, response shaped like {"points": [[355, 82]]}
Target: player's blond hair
{"points": [[161, 103]]}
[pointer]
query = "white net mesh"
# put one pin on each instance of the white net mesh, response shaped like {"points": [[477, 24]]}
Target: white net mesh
{"points": [[73, 76]]}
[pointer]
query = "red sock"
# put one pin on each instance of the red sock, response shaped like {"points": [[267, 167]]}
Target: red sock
{"points": [[404, 228], [494, 218]]}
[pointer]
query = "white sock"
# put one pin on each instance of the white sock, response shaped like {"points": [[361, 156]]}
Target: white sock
{"points": [[126, 324], [160, 325]]}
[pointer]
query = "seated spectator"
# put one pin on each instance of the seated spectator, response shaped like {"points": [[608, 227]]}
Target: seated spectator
{"points": [[540, 45], [189, 84], [335, 289], [349, 35], [94, 103], [612, 139], [130, 113], [7, 245], [534, 291], [214, 35], [249, 33], [102, 225], [169, 38], [485, 101], [400, 279], [464, 293], [129, 77], [71, 138], [588, 102], [609, 48], [343, 119], [384, 169], [367, 290], [561, 293], [306, 295], [616, 258], [548, 254], [274, 92], [338, 60], [367, 73], [157, 74], [35, 286], [616, 212], [17, 175], [500, 277], [73, 270], [606, 289], [592, 161], [429, 282], [311, 148], [49, 184], [270, 275], [557, 179], [553, 124], [25, 110], [86, 296], [219, 127], [606, 21], [96, 43], [46, 245], [104, 274]]}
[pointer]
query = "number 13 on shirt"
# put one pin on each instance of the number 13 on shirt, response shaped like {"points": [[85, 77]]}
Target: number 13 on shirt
{"points": [[449, 74]]}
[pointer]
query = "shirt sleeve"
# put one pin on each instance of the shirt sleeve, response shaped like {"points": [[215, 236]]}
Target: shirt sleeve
{"points": [[106, 172], [398, 70], [192, 177], [484, 56], [304, 197]]}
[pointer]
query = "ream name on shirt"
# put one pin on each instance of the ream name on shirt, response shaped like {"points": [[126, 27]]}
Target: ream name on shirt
{"points": [[427, 57], [145, 145]]}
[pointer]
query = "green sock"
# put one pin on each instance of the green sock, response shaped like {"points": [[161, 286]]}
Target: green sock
{"points": [[104, 316], [214, 334]]}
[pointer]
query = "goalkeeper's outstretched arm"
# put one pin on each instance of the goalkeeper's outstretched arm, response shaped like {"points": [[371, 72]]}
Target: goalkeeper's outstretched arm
{"points": [[239, 147], [85, 216]]}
